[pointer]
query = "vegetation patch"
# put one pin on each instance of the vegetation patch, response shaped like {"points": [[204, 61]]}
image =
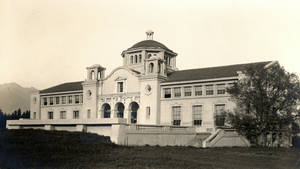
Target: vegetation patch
{"points": [[62, 149]]}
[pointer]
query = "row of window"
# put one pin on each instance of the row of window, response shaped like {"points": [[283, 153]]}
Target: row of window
{"points": [[135, 59], [198, 90], [197, 115], [63, 114], [63, 100]]}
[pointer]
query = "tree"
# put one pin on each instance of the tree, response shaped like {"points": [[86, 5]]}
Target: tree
{"points": [[2, 120], [266, 100]]}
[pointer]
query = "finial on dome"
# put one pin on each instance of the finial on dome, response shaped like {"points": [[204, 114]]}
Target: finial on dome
{"points": [[149, 34]]}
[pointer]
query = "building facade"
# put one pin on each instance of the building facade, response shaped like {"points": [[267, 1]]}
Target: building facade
{"points": [[147, 90]]}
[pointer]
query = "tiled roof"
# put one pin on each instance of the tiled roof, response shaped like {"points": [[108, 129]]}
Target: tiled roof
{"points": [[150, 44], [210, 72], [65, 87]]}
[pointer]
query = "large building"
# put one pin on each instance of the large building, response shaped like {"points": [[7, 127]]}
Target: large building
{"points": [[147, 92]]}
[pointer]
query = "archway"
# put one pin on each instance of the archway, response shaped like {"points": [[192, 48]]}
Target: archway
{"points": [[133, 109], [106, 110], [119, 110]]}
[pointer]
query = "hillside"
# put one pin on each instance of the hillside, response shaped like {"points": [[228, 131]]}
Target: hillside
{"points": [[14, 96]]}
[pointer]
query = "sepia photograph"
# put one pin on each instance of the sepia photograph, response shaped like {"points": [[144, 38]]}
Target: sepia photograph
{"points": [[149, 84]]}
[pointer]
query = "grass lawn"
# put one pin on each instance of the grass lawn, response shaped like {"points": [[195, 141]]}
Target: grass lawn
{"points": [[59, 149]]}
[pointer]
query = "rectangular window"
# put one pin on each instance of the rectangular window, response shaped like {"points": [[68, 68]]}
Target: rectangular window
{"points": [[177, 91], [70, 99], [220, 88], [50, 115], [34, 115], [76, 99], [89, 113], [188, 91], [147, 112], [209, 89], [45, 100], [120, 87], [198, 90], [76, 114], [167, 93], [140, 58], [219, 114], [197, 114], [51, 100], [57, 100], [63, 100], [63, 114], [176, 110]]}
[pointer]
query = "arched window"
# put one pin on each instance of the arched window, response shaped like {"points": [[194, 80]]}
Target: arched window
{"points": [[92, 74], [149, 55], [136, 59], [131, 59], [140, 58], [151, 66]]}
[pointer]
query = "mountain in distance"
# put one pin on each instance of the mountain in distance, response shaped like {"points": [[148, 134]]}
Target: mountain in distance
{"points": [[14, 96]]}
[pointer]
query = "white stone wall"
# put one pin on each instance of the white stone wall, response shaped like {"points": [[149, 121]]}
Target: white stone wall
{"points": [[57, 108], [131, 82]]}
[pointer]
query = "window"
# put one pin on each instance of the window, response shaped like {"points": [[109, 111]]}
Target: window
{"points": [[148, 112], [89, 113], [34, 100], [197, 113], [176, 110], [136, 59], [209, 90], [50, 115], [45, 101], [63, 115], [167, 93], [219, 114], [177, 92], [198, 90], [188, 91], [57, 100], [63, 100], [76, 114], [151, 67], [34, 115], [140, 58], [131, 59], [221, 89], [70, 99], [51, 100], [76, 99], [120, 87]]}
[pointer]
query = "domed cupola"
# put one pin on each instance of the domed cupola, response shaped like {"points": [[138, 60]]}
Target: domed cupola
{"points": [[135, 57]]}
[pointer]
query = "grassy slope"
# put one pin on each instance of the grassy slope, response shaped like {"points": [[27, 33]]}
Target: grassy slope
{"points": [[44, 149]]}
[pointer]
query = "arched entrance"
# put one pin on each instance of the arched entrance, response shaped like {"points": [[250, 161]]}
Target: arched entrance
{"points": [[133, 109], [106, 110], [119, 110]]}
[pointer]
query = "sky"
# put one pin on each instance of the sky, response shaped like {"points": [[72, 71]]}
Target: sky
{"points": [[48, 42]]}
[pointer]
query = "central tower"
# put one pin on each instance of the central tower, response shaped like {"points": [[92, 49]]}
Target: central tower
{"points": [[153, 61], [136, 56]]}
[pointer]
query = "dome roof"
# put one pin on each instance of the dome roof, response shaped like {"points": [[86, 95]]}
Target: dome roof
{"points": [[150, 44]]}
